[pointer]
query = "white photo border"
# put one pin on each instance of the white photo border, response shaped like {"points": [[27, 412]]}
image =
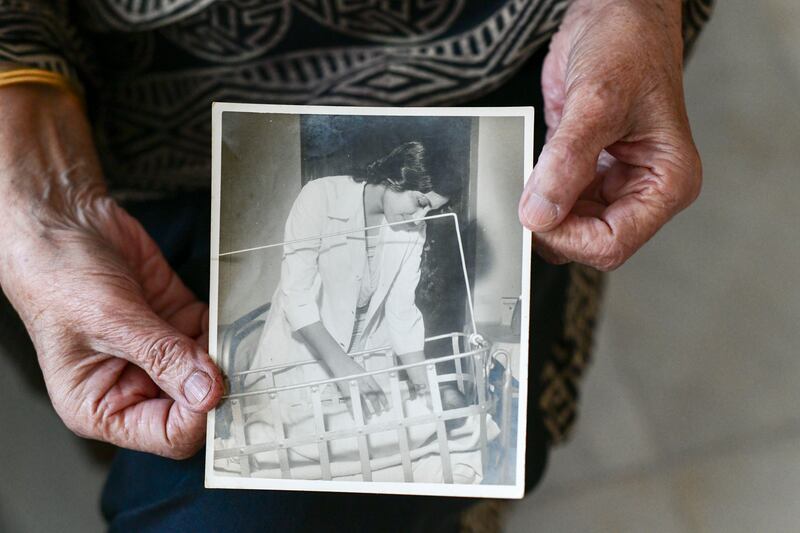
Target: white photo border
{"points": [[216, 481]]}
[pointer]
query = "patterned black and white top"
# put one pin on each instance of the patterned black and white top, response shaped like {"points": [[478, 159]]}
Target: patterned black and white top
{"points": [[151, 68]]}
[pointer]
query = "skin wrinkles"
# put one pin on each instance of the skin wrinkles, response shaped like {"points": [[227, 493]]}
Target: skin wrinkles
{"points": [[619, 161], [117, 333]]}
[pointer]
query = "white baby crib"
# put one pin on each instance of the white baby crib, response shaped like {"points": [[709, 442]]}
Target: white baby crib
{"points": [[468, 366]]}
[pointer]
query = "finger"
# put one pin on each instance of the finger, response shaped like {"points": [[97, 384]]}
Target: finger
{"points": [[189, 319], [348, 403], [166, 295], [162, 288], [366, 406], [379, 394], [606, 241], [545, 252], [344, 392], [202, 341], [640, 200], [384, 400], [412, 391], [374, 404], [175, 362], [568, 163], [132, 414], [155, 333], [164, 427]]}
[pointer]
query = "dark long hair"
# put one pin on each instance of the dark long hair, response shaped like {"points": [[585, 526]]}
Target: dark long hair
{"points": [[410, 167]]}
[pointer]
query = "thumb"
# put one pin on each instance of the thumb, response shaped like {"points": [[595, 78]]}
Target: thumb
{"points": [[567, 164], [176, 363]]}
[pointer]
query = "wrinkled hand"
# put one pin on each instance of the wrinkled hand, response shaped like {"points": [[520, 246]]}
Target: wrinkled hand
{"points": [[113, 326], [619, 161]]}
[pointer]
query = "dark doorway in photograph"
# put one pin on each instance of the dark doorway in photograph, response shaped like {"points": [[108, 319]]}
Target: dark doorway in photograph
{"points": [[346, 144]]}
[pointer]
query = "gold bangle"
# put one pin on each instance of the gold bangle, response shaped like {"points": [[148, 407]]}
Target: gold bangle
{"points": [[35, 75]]}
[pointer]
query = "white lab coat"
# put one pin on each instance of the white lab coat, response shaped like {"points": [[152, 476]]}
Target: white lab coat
{"points": [[321, 278]]}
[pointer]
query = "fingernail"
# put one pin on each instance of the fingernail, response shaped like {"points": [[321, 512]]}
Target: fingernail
{"points": [[196, 387], [539, 212]]}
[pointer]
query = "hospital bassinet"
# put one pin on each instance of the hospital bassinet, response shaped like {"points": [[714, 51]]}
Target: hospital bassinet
{"points": [[483, 375]]}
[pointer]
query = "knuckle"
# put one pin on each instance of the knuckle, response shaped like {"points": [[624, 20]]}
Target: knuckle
{"points": [[595, 97], [77, 410], [180, 441], [547, 253], [109, 426], [566, 149], [71, 417], [162, 354], [179, 452], [611, 258], [683, 179], [98, 410], [551, 258], [669, 194], [78, 426], [672, 198], [560, 147]]}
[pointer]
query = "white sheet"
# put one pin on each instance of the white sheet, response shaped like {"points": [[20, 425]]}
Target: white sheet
{"points": [[464, 445]]}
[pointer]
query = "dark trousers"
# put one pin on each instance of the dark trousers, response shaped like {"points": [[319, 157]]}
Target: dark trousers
{"points": [[149, 493]]}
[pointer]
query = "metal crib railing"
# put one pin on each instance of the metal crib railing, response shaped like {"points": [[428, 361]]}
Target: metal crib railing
{"points": [[471, 370]]}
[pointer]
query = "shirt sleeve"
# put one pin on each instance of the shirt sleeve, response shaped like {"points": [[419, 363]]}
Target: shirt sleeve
{"points": [[403, 317], [38, 34], [299, 268]]}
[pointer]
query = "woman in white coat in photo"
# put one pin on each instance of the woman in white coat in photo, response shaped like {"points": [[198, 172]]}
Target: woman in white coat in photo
{"points": [[354, 289]]}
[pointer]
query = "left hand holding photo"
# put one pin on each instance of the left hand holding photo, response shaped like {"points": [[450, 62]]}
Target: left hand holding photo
{"points": [[114, 328]]}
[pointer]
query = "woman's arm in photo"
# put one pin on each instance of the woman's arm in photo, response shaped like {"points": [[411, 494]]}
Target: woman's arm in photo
{"points": [[299, 269], [115, 329], [327, 350]]}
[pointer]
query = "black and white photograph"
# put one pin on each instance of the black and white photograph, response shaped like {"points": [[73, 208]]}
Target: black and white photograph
{"points": [[369, 299]]}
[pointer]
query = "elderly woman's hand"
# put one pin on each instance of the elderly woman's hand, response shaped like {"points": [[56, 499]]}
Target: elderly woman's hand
{"points": [[114, 328], [620, 160]]}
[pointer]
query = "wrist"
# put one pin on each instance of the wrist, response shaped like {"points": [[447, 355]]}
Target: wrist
{"points": [[50, 180], [322, 344], [49, 171], [45, 140], [635, 44]]}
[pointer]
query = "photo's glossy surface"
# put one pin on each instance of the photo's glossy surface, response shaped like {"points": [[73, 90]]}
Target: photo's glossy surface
{"points": [[369, 299]]}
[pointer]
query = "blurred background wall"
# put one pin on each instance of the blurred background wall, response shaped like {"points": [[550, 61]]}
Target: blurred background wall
{"points": [[500, 158], [261, 165], [690, 416]]}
